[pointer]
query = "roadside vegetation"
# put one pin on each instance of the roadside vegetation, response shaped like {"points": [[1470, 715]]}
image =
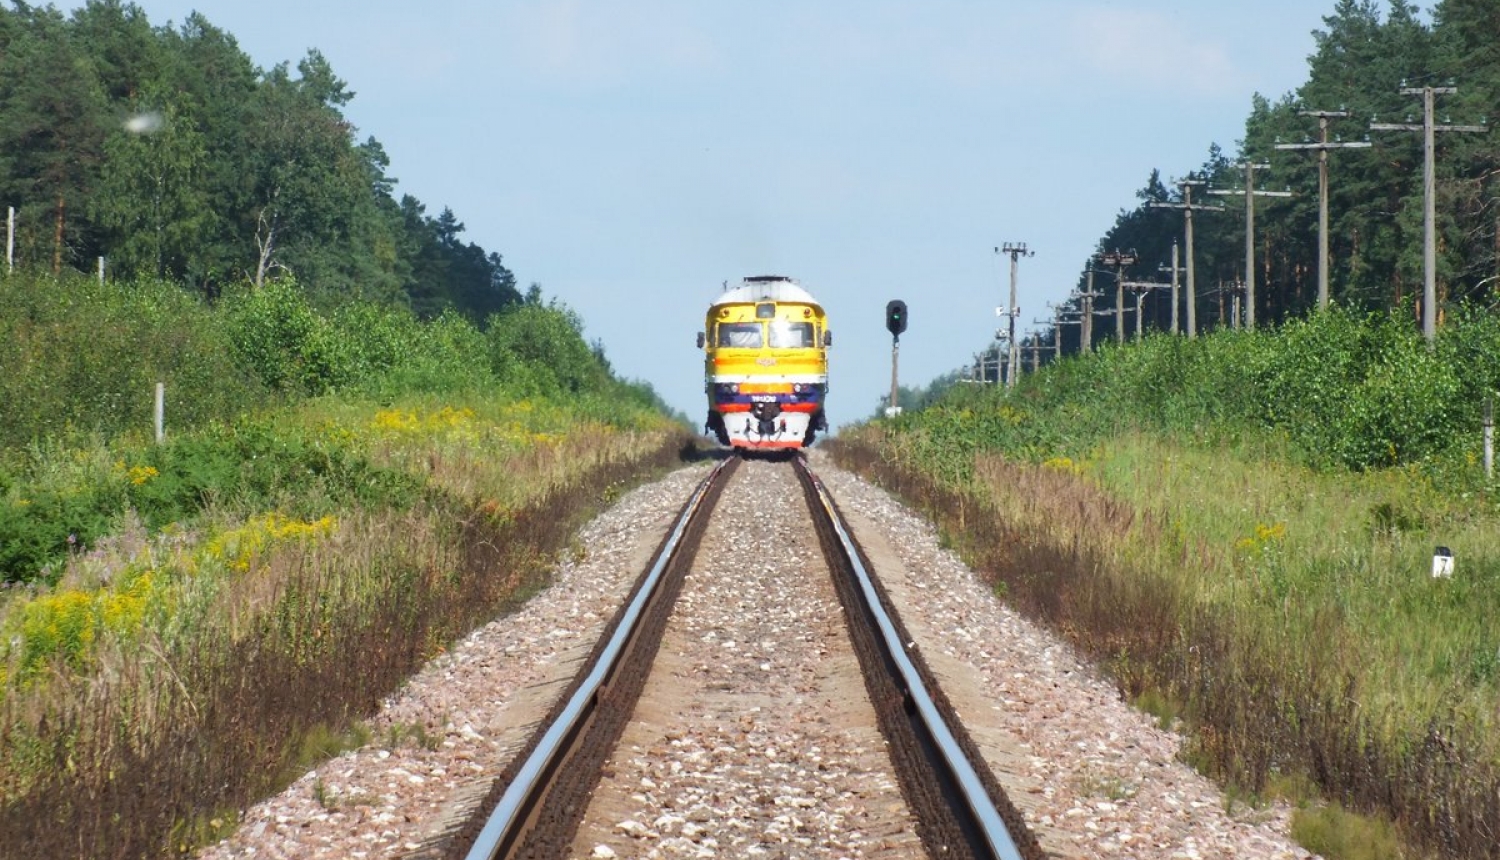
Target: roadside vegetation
{"points": [[1241, 527], [339, 496]]}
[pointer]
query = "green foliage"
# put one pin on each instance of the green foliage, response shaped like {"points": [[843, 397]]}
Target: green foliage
{"points": [[258, 466], [1368, 57], [1346, 389], [290, 347], [277, 336], [81, 357], [253, 465], [37, 531], [447, 354], [1281, 491], [221, 172], [1360, 392], [540, 349], [1341, 835]]}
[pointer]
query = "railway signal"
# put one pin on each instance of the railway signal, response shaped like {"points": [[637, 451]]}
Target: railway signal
{"points": [[895, 317], [895, 323]]}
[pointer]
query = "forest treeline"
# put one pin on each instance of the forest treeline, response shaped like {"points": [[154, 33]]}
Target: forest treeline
{"points": [[168, 152], [1365, 55]]}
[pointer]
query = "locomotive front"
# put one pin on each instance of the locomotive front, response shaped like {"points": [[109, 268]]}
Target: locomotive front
{"points": [[766, 365]]}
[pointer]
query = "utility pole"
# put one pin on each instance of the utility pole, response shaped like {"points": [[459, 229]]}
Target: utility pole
{"points": [[1176, 270], [1235, 290], [1057, 340], [983, 358], [1429, 193], [1117, 313], [1086, 336], [1187, 206], [1119, 260], [1141, 288], [1322, 147], [1016, 250], [1062, 321], [1250, 194]]}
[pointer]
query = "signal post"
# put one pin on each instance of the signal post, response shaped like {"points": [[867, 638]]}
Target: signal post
{"points": [[895, 323]]}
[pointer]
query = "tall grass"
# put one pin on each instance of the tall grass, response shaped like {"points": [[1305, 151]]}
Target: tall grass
{"points": [[193, 662], [340, 495], [1255, 564]]}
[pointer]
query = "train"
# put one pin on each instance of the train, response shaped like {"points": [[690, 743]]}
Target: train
{"points": [[765, 368]]}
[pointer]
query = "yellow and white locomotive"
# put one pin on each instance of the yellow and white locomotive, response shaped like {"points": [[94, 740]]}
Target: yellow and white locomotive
{"points": [[766, 366]]}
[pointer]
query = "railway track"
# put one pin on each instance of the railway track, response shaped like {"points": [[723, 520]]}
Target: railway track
{"points": [[722, 742]]}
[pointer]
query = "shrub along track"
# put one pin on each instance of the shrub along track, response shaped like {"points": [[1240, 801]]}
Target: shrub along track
{"points": [[756, 730]]}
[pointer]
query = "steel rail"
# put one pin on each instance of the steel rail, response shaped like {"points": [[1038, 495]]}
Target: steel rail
{"points": [[501, 828], [981, 806]]}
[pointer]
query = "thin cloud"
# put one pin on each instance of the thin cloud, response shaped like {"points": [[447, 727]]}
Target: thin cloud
{"points": [[1134, 49], [588, 45]]}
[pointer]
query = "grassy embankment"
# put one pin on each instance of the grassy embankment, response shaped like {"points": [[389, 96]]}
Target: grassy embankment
{"points": [[1241, 529], [339, 497]]}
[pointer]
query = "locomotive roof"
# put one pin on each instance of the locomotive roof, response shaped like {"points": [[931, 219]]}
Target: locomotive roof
{"points": [[765, 288]]}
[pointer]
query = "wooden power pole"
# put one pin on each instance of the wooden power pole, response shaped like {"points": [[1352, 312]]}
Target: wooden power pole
{"points": [[1014, 250], [1188, 207], [1429, 193], [1322, 146], [1118, 260], [1250, 193]]}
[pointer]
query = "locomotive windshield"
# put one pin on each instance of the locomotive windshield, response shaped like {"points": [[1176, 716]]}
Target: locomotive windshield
{"points": [[740, 335], [791, 335]]}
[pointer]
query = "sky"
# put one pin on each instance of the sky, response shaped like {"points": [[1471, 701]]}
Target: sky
{"points": [[631, 158]]}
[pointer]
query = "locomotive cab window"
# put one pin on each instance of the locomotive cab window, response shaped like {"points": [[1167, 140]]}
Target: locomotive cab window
{"points": [[791, 335], [739, 335]]}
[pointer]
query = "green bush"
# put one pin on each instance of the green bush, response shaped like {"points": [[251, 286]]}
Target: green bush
{"points": [[540, 349], [59, 505], [38, 532], [257, 466], [1347, 390], [79, 357], [278, 337], [79, 362]]}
